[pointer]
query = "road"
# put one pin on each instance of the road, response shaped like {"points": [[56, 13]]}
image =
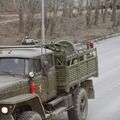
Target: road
{"points": [[106, 105]]}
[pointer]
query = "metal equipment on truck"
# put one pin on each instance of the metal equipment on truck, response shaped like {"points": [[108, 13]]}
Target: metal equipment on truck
{"points": [[40, 83]]}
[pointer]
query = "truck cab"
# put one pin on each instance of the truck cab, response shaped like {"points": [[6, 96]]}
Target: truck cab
{"points": [[19, 62], [42, 82]]}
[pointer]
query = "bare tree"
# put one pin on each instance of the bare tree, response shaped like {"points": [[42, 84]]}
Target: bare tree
{"points": [[71, 8], [53, 17], [118, 20], [30, 18], [113, 17], [20, 9], [105, 11], [88, 14], [97, 6], [1, 6], [80, 7], [51, 9], [65, 8], [102, 6]]}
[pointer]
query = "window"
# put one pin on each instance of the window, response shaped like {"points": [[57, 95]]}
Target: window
{"points": [[14, 66], [50, 60], [37, 65]]}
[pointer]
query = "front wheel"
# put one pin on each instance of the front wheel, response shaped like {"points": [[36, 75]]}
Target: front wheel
{"points": [[30, 115], [80, 110], [7, 117]]}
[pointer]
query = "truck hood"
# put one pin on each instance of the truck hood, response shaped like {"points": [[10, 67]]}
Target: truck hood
{"points": [[9, 80], [10, 85]]}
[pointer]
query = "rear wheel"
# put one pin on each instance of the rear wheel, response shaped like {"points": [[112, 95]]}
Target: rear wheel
{"points": [[30, 115], [7, 117], [80, 110]]}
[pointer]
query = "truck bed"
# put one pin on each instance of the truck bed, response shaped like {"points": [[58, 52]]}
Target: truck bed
{"points": [[80, 67]]}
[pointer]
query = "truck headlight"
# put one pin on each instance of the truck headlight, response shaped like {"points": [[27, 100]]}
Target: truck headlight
{"points": [[4, 110], [31, 74]]}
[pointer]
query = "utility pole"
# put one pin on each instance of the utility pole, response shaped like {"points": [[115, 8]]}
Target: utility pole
{"points": [[43, 23]]}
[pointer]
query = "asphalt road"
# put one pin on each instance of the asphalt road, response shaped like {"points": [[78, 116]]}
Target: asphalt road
{"points": [[106, 105]]}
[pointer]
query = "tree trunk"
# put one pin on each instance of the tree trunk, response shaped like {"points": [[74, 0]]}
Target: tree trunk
{"points": [[21, 18], [118, 19], [97, 12], [19, 4], [54, 17], [102, 7], [88, 14], [80, 9], [30, 17], [113, 17], [105, 12]]}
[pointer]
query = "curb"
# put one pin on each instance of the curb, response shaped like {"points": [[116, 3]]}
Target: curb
{"points": [[104, 37]]}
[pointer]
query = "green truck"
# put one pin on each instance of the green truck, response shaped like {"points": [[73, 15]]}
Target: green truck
{"points": [[40, 83]]}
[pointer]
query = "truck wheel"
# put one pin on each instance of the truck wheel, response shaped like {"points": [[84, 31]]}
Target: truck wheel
{"points": [[9, 117], [79, 112], [30, 115]]}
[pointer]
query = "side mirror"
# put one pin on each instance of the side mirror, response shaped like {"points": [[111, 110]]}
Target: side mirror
{"points": [[31, 82], [31, 75], [45, 68]]}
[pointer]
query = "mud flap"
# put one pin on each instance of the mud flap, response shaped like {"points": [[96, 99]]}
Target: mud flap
{"points": [[88, 86]]}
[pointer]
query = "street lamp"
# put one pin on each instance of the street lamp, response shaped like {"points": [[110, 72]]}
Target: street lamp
{"points": [[43, 23]]}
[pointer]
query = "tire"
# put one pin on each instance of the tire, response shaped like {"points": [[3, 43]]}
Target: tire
{"points": [[30, 115], [80, 110], [7, 117]]}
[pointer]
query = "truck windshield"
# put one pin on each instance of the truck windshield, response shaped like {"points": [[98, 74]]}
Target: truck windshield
{"points": [[13, 66]]}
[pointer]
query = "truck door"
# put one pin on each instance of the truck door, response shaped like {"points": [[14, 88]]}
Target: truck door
{"points": [[49, 75], [39, 80]]}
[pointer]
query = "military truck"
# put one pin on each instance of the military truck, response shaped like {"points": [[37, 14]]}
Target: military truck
{"points": [[40, 83]]}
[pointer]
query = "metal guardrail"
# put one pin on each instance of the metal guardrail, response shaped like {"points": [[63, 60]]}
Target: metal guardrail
{"points": [[104, 37]]}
